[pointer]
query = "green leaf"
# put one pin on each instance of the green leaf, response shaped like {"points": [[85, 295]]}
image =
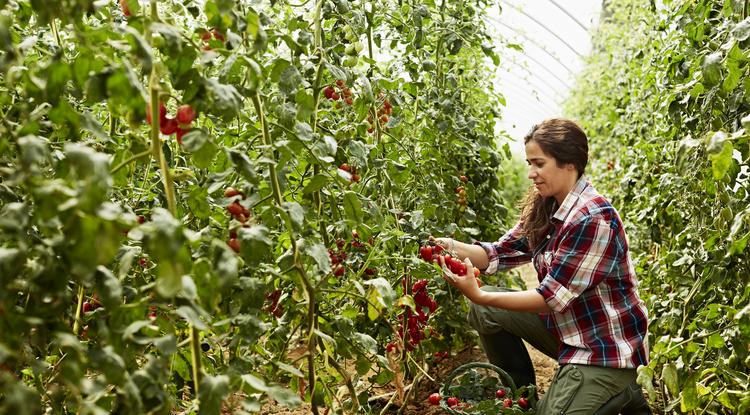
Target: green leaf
{"points": [[716, 341], [689, 396], [366, 342], [289, 369], [296, 214], [243, 165], [741, 31], [283, 396], [255, 243], [225, 263], [109, 363], [191, 316], [108, 287], [168, 245], [212, 391], [645, 379], [722, 162], [290, 80], [670, 378], [336, 72], [712, 69], [225, 100], [319, 253], [253, 23], [353, 207], [363, 365], [316, 183], [194, 140]]}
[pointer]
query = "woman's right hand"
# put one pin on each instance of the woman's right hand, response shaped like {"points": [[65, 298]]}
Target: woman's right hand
{"points": [[447, 243]]}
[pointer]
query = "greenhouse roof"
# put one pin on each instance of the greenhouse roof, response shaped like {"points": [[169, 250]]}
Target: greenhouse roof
{"points": [[555, 36]]}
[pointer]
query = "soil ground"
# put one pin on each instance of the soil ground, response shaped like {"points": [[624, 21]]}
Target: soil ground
{"points": [[545, 368]]}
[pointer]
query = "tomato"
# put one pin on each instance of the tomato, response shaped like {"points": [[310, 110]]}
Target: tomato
{"points": [[434, 399]]}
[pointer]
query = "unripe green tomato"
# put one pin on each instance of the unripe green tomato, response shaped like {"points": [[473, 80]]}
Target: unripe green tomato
{"points": [[349, 50], [726, 214], [733, 360], [157, 40], [350, 61], [724, 198], [358, 46]]}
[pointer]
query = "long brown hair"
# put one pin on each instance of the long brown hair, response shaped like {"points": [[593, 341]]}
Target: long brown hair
{"points": [[564, 141]]}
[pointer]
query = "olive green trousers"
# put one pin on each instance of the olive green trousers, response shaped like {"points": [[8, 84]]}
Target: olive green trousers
{"points": [[575, 389]]}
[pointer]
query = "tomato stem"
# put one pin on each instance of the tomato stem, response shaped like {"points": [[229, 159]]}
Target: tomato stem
{"points": [[76, 323], [169, 191], [308, 288]]}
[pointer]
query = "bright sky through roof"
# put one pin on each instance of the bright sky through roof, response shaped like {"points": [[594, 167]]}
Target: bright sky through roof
{"points": [[555, 36]]}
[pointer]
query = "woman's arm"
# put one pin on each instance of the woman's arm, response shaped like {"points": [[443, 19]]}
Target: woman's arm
{"points": [[529, 300], [475, 253]]}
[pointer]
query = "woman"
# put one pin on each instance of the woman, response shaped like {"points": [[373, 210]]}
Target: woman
{"points": [[586, 312]]}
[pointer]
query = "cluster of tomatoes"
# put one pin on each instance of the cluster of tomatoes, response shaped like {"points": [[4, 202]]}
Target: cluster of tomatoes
{"points": [[340, 90], [91, 305], [351, 172], [415, 325], [338, 257], [272, 305], [502, 393], [125, 7], [209, 35], [461, 194], [433, 253], [382, 115], [238, 212], [179, 125]]}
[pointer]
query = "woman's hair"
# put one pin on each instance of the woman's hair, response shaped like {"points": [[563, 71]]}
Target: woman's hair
{"points": [[566, 142]]}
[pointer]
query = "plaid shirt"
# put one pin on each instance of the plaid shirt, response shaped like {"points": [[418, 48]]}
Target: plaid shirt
{"points": [[587, 279]]}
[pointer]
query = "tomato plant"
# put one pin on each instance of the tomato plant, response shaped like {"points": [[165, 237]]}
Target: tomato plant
{"points": [[183, 162], [665, 101]]}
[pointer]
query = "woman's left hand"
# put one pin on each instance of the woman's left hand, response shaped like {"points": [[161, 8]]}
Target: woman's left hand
{"points": [[467, 284]]}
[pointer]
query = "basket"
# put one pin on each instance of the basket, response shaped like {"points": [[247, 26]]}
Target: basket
{"points": [[486, 386]]}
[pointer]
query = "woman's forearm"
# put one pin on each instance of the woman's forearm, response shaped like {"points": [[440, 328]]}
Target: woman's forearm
{"points": [[475, 253], [528, 301]]}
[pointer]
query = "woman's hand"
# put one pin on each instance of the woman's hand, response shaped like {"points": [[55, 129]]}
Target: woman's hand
{"points": [[467, 284], [447, 243]]}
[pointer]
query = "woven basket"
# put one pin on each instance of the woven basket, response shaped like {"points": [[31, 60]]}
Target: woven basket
{"points": [[504, 380]]}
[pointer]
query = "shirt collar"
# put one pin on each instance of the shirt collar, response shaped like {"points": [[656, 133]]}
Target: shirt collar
{"points": [[571, 199]]}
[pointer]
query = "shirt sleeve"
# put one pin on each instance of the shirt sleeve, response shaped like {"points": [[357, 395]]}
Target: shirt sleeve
{"points": [[510, 251], [589, 250]]}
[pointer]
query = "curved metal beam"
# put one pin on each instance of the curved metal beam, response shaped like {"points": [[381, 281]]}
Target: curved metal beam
{"points": [[557, 59], [550, 31], [536, 75], [529, 98], [578, 22], [542, 92]]}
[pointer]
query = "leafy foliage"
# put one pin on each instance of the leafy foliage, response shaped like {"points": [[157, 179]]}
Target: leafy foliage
{"points": [[665, 100], [132, 279]]}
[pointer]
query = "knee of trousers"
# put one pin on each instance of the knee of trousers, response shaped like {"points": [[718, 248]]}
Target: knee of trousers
{"points": [[486, 320]]}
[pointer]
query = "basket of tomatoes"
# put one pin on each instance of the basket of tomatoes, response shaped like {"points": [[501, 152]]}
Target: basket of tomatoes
{"points": [[483, 388]]}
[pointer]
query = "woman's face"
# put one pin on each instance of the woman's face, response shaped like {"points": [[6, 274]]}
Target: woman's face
{"points": [[550, 180]]}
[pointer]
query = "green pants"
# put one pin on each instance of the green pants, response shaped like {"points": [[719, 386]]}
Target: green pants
{"points": [[575, 389]]}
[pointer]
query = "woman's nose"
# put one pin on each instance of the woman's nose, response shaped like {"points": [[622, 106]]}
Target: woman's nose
{"points": [[532, 173]]}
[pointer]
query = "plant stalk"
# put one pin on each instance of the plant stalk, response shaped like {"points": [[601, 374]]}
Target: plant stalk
{"points": [[307, 286], [169, 191]]}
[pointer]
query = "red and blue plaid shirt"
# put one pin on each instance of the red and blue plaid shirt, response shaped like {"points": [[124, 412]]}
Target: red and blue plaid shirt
{"points": [[587, 279]]}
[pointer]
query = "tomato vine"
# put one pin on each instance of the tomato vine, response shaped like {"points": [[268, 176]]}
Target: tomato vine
{"points": [[665, 99], [151, 263]]}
